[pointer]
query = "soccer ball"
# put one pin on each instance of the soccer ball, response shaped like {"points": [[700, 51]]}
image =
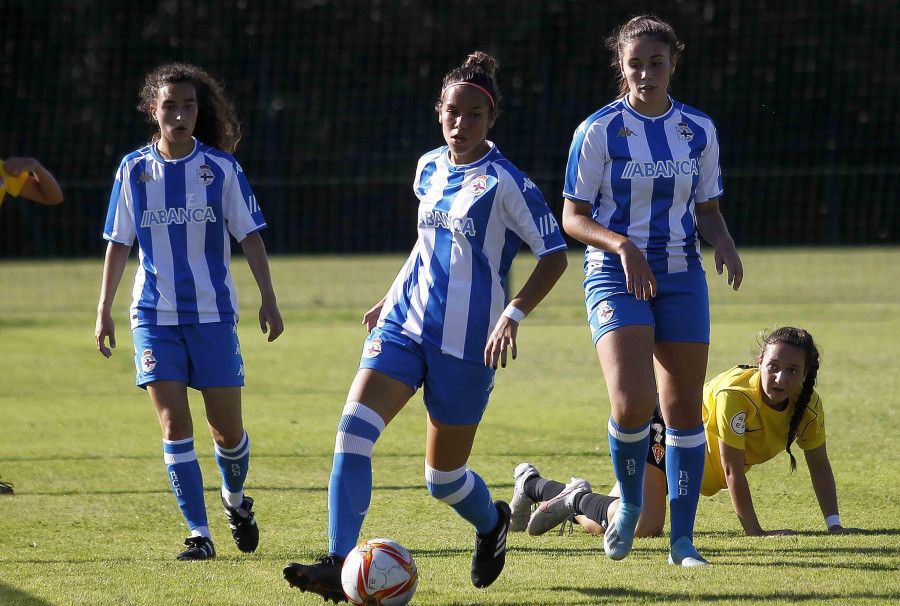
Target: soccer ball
{"points": [[379, 572]]}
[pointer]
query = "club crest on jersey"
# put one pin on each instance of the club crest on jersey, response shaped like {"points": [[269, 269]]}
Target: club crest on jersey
{"points": [[205, 176], [739, 423], [604, 313], [684, 131], [479, 185], [372, 348], [148, 362]]}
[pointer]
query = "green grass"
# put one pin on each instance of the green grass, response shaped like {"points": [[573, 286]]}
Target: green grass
{"points": [[93, 521]]}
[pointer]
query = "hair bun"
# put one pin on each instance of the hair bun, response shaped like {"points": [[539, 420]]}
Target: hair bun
{"points": [[482, 60]]}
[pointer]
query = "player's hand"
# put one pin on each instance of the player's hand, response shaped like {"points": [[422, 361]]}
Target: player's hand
{"points": [[784, 532], [370, 318], [104, 328], [16, 166], [502, 339], [841, 530], [639, 279], [727, 256], [270, 320]]}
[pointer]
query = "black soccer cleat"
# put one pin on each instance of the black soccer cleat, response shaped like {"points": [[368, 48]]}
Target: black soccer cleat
{"points": [[243, 525], [490, 549], [323, 578], [6, 488], [199, 548]]}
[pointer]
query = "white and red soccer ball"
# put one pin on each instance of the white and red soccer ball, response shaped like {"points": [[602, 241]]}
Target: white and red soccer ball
{"points": [[379, 572]]}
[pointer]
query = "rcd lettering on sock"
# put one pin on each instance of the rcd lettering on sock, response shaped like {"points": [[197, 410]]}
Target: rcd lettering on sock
{"points": [[631, 466], [682, 483], [176, 486]]}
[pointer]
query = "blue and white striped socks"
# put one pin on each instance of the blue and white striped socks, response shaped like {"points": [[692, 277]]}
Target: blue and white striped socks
{"points": [[464, 491], [234, 463], [187, 483], [350, 486]]}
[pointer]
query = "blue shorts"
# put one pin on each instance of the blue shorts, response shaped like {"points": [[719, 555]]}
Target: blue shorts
{"points": [[456, 391], [679, 312], [201, 355]]}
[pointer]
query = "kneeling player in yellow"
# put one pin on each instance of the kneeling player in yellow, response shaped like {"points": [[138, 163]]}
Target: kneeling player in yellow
{"points": [[750, 413]]}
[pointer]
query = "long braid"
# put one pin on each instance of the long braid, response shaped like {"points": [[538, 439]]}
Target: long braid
{"points": [[800, 408], [797, 337]]}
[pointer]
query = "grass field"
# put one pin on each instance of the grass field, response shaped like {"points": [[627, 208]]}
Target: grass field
{"points": [[93, 521]]}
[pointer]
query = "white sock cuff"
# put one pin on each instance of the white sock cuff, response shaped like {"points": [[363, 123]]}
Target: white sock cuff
{"points": [[624, 436], [350, 443], [433, 476], [686, 441], [237, 452], [437, 479], [361, 411]]}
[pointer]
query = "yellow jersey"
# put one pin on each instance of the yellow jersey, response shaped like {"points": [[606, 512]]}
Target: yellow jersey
{"points": [[734, 412], [10, 185]]}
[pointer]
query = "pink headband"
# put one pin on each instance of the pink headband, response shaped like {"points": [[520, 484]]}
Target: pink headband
{"points": [[481, 88]]}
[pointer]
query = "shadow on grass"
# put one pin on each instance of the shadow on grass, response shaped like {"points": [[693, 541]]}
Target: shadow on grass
{"points": [[14, 597], [724, 596]]}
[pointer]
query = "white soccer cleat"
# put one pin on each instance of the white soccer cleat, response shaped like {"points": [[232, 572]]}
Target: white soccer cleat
{"points": [[520, 505], [553, 512]]}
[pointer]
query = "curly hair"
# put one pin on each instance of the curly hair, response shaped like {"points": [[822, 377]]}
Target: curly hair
{"points": [[479, 69], [217, 122], [796, 337], [638, 27]]}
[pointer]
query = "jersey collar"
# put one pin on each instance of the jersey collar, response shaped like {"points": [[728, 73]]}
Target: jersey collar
{"points": [[644, 118], [464, 167], [156, 155]]}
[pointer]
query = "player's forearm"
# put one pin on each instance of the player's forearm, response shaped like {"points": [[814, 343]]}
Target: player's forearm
{"points": [[711, 224], [255, 252], [742, 500], [578, 223], [113, 268], [824, 486], [546, 274], [49, 188]]}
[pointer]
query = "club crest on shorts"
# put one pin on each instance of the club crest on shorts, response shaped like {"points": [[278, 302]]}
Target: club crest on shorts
{"points": [[684, 131], [205, 176], [479, 185], [739, 423], [659, 452], [604, 313], [372, 348], [148, 362]]}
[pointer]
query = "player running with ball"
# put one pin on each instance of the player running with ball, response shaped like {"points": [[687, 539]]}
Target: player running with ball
{"points": [[443, 325]]}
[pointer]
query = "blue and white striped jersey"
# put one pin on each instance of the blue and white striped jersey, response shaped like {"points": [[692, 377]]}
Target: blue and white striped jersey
{"points": [[643, 177], [181, 212], [472, 221]]}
